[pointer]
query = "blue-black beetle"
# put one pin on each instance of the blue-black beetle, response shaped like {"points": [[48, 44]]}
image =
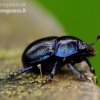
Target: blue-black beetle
{"points": [[57, 50]]}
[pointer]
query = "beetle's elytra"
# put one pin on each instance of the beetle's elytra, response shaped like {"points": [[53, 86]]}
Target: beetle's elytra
{"points": [[53, 50]]}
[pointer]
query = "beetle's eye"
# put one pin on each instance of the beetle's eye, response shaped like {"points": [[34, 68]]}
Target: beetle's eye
{"points": [[90, 49]]}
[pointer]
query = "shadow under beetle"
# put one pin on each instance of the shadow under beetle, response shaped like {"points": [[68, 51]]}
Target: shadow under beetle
{"points": [[57, 50]]}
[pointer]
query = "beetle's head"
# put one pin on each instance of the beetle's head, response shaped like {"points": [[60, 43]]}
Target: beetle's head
{"points": [[87, 49]]}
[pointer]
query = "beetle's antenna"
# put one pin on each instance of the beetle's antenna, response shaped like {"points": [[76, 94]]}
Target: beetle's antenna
{"points": [[98, 37]]}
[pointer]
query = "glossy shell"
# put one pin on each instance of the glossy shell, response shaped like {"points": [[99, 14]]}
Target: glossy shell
{"points": [[39, 50]]}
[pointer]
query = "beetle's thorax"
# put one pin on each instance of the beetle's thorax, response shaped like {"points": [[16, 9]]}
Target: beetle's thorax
{"points": [[65, 47]]}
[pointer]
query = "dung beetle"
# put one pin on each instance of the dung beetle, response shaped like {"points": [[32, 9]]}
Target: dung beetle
{"points": [[64, 50]]}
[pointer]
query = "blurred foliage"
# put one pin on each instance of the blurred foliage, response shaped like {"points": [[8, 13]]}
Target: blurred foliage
{"points": [[80, 18]]}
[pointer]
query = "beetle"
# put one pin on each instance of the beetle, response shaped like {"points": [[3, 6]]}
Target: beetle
{"points": [[58, 51]]}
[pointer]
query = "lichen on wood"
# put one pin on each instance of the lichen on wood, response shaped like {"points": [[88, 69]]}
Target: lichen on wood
{"points": [[65, 85]]}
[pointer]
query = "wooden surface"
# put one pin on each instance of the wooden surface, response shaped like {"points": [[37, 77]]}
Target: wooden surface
{"points": [[65, 85]]}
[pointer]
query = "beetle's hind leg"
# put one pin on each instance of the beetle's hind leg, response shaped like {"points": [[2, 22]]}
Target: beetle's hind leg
{"points": [[49, 79], [79, 74], [14, 74]]}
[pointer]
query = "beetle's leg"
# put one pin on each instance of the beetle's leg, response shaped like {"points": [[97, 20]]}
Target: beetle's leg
{"points": [[91, 68], [14, 74], [49, 79], [79, 74], [39, 66], [52, 72]]}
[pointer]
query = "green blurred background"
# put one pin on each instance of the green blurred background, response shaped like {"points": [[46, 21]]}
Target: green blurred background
{"points": [[80, 18]]}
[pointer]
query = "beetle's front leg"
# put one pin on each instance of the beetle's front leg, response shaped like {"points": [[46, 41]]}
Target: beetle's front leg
{"points": [[91, 68], [49, 79], [79, 74]]}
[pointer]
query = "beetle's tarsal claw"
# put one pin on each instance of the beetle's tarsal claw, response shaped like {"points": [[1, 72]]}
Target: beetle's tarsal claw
{"points": [[83, 77], [49, 80], [14, 74], [46, 82], [11, 75]]}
